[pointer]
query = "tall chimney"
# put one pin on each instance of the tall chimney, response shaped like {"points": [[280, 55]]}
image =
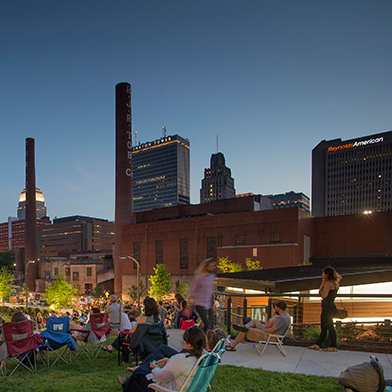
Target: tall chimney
{"points": [[31, 243], [124, 175]]}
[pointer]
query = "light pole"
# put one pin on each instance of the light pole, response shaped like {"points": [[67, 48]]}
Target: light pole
{"points": [[27, 264], [138, 277]]}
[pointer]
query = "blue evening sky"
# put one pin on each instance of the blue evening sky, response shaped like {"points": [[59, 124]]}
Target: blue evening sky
{"points": [[271, 78]]}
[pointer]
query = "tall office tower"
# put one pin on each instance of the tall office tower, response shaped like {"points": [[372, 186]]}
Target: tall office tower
{"points": [[41, 210], [161, 173], [352, 176], [217, 183]]}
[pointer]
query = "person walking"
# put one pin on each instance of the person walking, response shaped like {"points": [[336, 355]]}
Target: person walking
{"points": [[328, 291], [202, 289]]}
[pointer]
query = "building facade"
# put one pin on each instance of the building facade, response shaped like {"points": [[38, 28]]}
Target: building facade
{"points": [[75, 234], [289, 200], [41, 209], [352, 176], [12, 233], [217, 183], [161, 173]]}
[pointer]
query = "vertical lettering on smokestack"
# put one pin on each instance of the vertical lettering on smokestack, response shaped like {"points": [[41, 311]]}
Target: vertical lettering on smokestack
{"points": [[124, 175], [31, 244]]}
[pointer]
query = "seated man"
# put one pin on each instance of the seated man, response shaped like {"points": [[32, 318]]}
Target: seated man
{"points": [[113, 311], [256, 331]]}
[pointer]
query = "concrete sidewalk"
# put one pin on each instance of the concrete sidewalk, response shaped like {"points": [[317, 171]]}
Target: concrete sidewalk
{"points": [[298, 360]]}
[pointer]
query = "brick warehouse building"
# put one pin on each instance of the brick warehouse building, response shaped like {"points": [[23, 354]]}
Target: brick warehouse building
{"points": [[182, 237]]}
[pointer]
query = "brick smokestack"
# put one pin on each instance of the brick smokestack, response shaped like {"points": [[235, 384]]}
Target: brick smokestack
{"points": [[31, 244], [124, 175]]}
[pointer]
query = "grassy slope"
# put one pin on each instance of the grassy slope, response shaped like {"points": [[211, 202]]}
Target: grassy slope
{"points": [[85, 375]]}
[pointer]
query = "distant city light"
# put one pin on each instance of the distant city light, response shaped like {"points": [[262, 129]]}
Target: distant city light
{"points": [[368, 212]]}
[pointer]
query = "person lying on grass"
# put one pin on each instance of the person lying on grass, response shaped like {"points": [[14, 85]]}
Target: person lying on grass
{"points": [[170, 372], [256, 331]]}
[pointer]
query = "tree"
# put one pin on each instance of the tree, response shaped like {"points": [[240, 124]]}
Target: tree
{"points": [[226, 265], [7, 259], [161, 282], [6, 280], [252, 265], [132, 292], [97, 291], [181, 288], [60, 293]]}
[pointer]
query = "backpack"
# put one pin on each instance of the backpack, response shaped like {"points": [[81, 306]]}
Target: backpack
{"points": [[364, 377]]}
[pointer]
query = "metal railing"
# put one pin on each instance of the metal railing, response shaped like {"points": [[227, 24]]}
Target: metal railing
{"points": [[369, 315]]}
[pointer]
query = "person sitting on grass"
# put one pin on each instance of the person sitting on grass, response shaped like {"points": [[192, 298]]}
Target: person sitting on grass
{"points": [[256, 331], [170, 372]]}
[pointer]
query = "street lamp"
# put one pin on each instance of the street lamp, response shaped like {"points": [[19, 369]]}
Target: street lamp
{"points": [[27, 264], [138, 276]]}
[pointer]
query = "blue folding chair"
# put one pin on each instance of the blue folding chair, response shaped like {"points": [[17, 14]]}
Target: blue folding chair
{"points": [[58, 339], [200, 376]]}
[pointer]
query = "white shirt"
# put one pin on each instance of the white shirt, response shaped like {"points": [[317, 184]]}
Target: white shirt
{"points": [[125, 323]]}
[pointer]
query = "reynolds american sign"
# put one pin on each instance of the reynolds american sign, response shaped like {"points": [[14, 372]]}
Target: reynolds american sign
{"points": [[356, 144]]}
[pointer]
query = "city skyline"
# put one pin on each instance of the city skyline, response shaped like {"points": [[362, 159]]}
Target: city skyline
{"points": [[270, 79]]}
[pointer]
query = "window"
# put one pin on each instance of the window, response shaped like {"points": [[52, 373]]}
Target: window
{"points": [[75, 276], [56, 271], [136, 253], [183, 254], [67, 271], [240, 240], [274, 238], [47, 274], [89, 271], [211, 247], [158, 252]]}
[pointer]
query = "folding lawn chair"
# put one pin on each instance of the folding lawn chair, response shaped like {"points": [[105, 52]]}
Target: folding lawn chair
{"points": [[200, 376], [57, 340], [21, 346], [100, 330], [221, 344], [273, 339]]}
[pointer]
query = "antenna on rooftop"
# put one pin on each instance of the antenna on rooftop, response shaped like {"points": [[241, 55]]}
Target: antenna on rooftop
{"points": [[164, 131], [217, 150], [135, 138]]}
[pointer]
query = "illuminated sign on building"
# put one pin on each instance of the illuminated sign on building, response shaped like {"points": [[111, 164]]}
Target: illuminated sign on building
{"points": [[356, 144]]}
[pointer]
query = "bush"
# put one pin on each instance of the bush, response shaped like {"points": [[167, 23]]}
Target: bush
{"points": [[351, 331]]}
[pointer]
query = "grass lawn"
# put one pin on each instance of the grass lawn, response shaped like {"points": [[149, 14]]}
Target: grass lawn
{"points": [[85, 375]]}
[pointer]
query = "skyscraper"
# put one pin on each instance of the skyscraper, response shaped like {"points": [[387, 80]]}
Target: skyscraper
{"points": [[39, 201], [161, 173], [352, 176], [217, 183]]}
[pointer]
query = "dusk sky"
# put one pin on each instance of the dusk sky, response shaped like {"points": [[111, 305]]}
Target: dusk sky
{"points": [[270, 78]]}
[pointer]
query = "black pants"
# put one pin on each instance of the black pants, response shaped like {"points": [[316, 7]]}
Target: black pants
{"points": [[138, 381], [327, 327], [205, 315]]}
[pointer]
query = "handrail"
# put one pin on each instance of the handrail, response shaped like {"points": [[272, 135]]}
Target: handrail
{"points": [[302, 295]]}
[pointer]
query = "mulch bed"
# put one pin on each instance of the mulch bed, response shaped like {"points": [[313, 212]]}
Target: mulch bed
{"points": [[350, 345]]}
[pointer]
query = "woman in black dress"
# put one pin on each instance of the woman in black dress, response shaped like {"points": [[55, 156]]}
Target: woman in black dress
{"points": [[328, 291]]}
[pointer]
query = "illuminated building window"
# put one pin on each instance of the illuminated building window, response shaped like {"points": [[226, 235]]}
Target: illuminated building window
{"points": [[75, 276]]}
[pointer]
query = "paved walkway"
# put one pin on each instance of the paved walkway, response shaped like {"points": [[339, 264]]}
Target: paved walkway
{"points": [[298, 360]]}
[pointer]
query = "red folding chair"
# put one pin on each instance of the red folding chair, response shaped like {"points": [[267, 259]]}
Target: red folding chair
{"points": [[21, 345], [100, 329]]}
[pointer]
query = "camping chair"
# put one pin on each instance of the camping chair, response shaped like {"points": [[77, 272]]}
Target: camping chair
{"points": [[21, 344], [200, 376], [100, 330], [145, 339], [221, 344], [58, 340], [273, 339]]}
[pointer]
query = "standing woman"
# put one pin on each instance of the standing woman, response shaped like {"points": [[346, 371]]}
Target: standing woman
{"points": [[202, 289], [328, 291]]}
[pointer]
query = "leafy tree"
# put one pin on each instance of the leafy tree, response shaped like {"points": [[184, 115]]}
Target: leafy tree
{"points": [[97, 291], [161, 282], [6, 280], [7, 259], [60, 293], [132, 292], [252, 265], [181, 288], [226, 265]]}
